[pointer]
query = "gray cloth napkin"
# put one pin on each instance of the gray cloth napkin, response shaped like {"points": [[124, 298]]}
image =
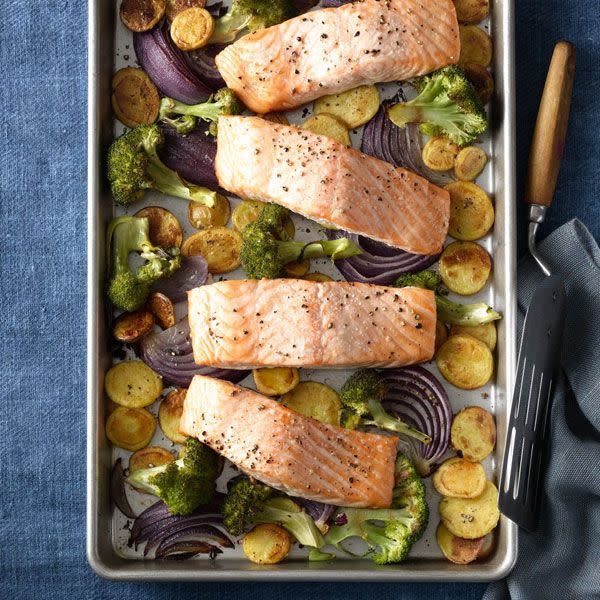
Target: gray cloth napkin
{"points": [[561, 560]]}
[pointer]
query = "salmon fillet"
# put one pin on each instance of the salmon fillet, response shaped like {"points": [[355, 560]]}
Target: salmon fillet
{"points": [[336, 49], [288, 451], [320, 178], [297, 323]]}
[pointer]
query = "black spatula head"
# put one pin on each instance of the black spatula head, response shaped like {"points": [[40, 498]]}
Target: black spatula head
{"points": [[539, 355]]}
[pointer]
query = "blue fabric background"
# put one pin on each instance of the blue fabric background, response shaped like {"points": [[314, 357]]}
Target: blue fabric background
{"points": [[42, 287]]}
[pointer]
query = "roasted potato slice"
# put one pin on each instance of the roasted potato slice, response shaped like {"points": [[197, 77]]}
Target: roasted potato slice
{"points": [[455, 549], [202, 216], [141, 15], [133, 383], [267, 544], [191, 28], [486, 332], [317, 277], [169, 415], [481, 80], [134, 99], [132, 327], [441, 334], [471, 12], [439, 153], [353, 108], [162, 308], [471, 211], [465, 267], [465, 362], [298, 268], [130, 428], [459, 478], [174, 7], [146, 458], [328, 126], [164, 227], [473, 433], [247, 212], [276, 381], [475, 46], [316, 400], [471, 518], [220, 246], [469, 163]]}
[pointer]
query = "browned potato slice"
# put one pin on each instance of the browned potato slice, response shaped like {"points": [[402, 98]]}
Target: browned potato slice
{"points": [[164, 228], [481, 80], [169, 415], [473, 433], [191, 28], [353, 108], [486, 332], [132, 327], [298, 268], [465, 267], [174, 7], [247, 212], [134, 99], [266, 544], [471, 12], [328, 126], [459, 478], [130, 428], [471, 518], [146, 458], [132, 383], [276, 381], [162, 309], [471, 211], [441, 334], [202, 216], [465, 362], [220, 246], [439, 153], [469, 163], [316, 400], [455, 549], [141, 15], [317, 277], [276, 117], [475, 46]]}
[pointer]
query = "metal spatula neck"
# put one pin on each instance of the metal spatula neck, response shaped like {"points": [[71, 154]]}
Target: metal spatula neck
{"points": [[537, 214]]}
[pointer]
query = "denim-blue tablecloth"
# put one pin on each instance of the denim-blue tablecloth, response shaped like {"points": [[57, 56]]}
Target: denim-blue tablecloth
{"points": [[42, 285]]}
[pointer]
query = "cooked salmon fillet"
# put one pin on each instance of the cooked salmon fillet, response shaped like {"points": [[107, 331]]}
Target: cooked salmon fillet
{"points": [[336, 49], [288, 451], [323, 180], [297, 323]]}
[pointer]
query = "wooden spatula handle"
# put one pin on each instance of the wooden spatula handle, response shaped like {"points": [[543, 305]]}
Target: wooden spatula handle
{"points": [[551, 127]]}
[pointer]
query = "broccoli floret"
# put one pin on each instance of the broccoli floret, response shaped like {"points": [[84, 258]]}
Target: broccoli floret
{"points": [[447, 104], [127, 289], [185, 484], [250, 15], [448, 311], [390, 533], [184, 117], [361, 398], [266, 249], [134, 167]]}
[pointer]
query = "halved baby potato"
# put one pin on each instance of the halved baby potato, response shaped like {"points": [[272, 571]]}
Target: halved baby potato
{"points": [[133, 384], [465, 362], [316, 400], [174, 7], [141, 15], [486, 332], [475, 46], [298, 268], [317, 277], [162, 308], [267, 544], [439, 153], [130, 428], [441, 334], [473, 433], [202, 216], [164, 227], [469, 163], [220, 246], [329, 126], [134, 99], [132, 327], [465, 267], [471, 518], [353, 108], [459, 478], [146, 458], [247, 212], [276, 381], [456, 549], [191, 28], [471, 12], [169, 415], [481, 80], [471, 211]]}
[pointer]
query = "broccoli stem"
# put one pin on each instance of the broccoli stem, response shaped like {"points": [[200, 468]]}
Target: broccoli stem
{"points": [[464, 314], [299, 524], [227, 27], [208, 111], [382, 419]]}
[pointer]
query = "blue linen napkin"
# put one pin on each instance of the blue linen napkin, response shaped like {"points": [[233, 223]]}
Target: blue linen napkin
{"points": [[562, 558]]}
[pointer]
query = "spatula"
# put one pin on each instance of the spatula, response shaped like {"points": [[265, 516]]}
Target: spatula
{"points": [[539, 354]]}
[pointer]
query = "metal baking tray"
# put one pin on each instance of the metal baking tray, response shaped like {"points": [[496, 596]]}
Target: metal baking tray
{"points": [[110, 48]]}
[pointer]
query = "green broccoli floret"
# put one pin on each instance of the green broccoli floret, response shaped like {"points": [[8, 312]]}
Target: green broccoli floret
{"points": [[184, 117], [133, 166], [450, 312], [128, 289], [361, 398], [447, 104], [390, 533], [250, 15], [266, 249], [185, 484]]}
